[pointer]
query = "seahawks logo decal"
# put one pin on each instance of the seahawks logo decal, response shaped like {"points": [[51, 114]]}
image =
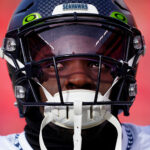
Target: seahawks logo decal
{"points": [[119, 16], [31, 17]]}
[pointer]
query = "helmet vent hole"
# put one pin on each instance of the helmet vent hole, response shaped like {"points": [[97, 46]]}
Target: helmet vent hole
{"points": [[26, 8], [120, 6]]}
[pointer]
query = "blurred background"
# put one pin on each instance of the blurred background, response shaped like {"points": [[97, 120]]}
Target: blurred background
{"points": [[140, 111]]}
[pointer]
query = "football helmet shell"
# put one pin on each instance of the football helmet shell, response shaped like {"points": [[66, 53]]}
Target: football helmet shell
{"points": [[36, 15]]}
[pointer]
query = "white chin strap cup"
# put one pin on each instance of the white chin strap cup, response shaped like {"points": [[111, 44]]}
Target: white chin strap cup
{"points": [[78, 125], [78, 115]]}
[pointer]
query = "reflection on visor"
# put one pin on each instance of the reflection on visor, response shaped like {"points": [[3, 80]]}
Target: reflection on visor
{"points": [[76, 39]]}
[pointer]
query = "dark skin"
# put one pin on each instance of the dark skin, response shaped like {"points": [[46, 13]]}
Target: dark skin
{"points": [[78, 73], [79, 76]]}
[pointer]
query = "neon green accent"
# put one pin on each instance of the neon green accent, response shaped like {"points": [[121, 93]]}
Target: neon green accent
{"points": [[31, 17], [119, 16]]}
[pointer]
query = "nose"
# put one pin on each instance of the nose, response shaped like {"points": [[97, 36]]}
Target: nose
{"points": [[79, 77]]}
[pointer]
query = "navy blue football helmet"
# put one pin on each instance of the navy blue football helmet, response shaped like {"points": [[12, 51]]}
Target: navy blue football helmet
{"points": [[42, 33]]}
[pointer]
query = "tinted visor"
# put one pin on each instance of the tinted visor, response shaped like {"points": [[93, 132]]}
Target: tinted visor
{"points": [[79, 72], [76, 39]]}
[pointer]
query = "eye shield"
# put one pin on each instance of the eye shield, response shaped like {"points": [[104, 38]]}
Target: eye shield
{"points": [[76, 39]]}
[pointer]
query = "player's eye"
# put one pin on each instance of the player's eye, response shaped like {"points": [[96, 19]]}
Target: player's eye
{"points": [[59, 67], [93, 65], [50, 67]]}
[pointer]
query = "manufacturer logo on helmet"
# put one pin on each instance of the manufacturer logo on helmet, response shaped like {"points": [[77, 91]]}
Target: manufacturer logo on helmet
{"points": [[119, 16], [75, 6], [31, 17]]}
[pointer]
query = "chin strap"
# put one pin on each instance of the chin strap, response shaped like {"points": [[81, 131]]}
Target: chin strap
{"points": [[47, 119], [114, 121], [78, 125]]}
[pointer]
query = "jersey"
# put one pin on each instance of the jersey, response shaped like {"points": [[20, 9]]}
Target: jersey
{"points": [[134, 138]]}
